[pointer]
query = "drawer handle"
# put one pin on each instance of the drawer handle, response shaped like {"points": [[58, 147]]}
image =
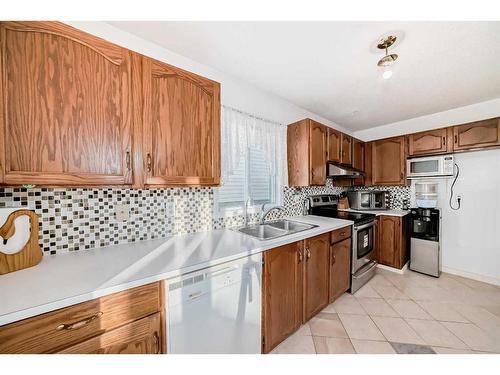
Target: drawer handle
{"points": [[79, 324], [342, 233]]}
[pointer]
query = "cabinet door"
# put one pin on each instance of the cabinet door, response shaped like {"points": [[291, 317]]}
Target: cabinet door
{"points": [[477, 134], [181, 121], [346, 153], [297, 139], [316, 274], [358, 159], [389, 240], [282, 294], [139, 337], [67, 103], [334, 145], [317, 153], [389, 161], [340, 268], [428, 143]]}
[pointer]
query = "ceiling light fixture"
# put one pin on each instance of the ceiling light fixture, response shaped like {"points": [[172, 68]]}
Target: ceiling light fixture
{"points": [[386, 61]]}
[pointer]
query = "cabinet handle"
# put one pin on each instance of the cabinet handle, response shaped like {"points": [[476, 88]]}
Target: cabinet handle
{"points": [[334, 258], [456, 138], [301, 256], [342, 233], [402, 176], [127, 161], [444, 141], [80, 323], [156, 337], [308, 253], [149, 162]]}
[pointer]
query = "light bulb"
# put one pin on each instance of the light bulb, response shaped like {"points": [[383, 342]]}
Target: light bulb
{"points": [[387, 74]]}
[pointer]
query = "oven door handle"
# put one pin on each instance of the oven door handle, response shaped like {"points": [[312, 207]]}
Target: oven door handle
{"points": [[368, 269], [364, 226]]}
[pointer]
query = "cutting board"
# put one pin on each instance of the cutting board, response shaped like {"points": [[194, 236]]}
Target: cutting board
{"points": [[19, 246]]}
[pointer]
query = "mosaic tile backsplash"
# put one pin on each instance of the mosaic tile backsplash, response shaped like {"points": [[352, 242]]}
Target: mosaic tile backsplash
{"points": [[83, 218]]}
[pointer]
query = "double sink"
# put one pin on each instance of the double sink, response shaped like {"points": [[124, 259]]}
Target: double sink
{"points": [[275, 229]]}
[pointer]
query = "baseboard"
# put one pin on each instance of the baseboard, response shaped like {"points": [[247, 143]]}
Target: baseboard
{"points": [[473, 276], [392, 269]]}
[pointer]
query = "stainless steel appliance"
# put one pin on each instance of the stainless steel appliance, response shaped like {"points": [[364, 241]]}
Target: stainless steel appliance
{"points": [[342, 171], [425, 240], [368, 199], [431, 166], [363, 263]]}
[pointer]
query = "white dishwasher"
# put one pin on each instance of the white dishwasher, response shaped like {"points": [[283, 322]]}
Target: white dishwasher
{"points": [[217, 309]]}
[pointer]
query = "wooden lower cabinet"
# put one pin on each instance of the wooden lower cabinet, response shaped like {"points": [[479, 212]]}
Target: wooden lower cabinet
{"points": [[281, 293], [392, 249], [296, 283], [140, 337], [127, 322], [340, 268], [316, 274]]}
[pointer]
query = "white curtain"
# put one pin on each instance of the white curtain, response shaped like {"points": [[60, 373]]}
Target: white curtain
{"points": [[241, 131]]}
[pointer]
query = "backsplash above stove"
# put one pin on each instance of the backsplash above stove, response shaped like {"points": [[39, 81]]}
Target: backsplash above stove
{"points": [[83, 218]]}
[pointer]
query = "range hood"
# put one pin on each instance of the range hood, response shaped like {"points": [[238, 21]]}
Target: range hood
{"points": [[335, 170]]}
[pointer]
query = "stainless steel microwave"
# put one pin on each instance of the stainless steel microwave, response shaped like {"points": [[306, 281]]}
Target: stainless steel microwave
{"points": [[431, 166], [368, 200]]}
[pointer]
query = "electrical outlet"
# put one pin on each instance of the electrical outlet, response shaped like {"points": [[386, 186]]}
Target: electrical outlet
{"points": [[170, 208], [122, 212]]}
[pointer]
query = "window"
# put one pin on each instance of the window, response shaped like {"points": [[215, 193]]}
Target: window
{"points": [[253, 162]]}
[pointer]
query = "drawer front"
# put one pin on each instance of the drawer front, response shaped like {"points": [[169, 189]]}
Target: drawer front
{"points": [[58, 329], [139, 337], [341, 234]]}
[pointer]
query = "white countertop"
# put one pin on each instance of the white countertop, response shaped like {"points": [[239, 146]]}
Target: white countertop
{"points": [[380, 212], [66, 279]]}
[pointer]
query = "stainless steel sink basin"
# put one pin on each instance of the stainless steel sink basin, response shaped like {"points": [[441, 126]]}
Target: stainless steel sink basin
{"points": [[275, 229], [292, 226]]}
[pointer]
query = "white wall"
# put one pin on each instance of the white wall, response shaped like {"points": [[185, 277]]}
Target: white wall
{"points": [[471, 235], [461, 115], [234, 93]]}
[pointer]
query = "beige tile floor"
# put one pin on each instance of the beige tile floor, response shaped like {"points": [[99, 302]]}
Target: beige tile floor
{"points": [[450, 314]]}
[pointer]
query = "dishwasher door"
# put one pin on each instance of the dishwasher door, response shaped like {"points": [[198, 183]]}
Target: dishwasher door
{"points": [[216, 310]]}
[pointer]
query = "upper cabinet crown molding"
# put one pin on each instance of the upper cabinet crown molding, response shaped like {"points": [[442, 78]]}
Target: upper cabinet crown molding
{"points": [[75, 109]]}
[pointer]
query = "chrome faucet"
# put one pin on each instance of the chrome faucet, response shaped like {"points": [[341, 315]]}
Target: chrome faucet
{"points": [[269, 210], [245, 210]]}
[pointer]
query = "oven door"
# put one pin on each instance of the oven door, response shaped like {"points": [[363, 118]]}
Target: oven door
{"points": [[363, 245]]}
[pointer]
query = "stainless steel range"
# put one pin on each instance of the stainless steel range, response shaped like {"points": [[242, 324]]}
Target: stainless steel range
{"points": [[363, 263]]}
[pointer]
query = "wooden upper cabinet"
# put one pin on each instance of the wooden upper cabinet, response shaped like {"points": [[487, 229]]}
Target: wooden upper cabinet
{"points": [[346, 151], [282, 293], [334, 145], [318, 153], [307, 153], [316, 274], [66, 107], [181, 126], [428, 143], [478, 134], [389, 161]]}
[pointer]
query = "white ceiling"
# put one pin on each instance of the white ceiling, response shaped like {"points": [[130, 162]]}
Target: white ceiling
{"points": [[330, 68]]}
